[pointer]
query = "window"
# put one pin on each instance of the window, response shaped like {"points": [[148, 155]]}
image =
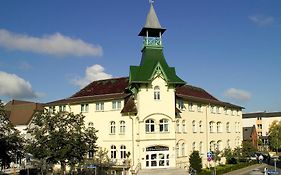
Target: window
{"points": [[193, 146], [190, 106], [227, 127], [238, 127], [112, 127], [116, 104], [232, 112], [194, 129], [259, 118], [225, 111], [211, 126], [177, 150], [90, 154], [177, 126], [164, 125], [52, 109], [259, 133], [156, 93], [212, 146], [199, 107], [62, 108], [113, 152], [90, 124], [219, 145], [122, 127], [181, 104], [84, 107], [238, 113], [219, 127], [149, 125], [122, 151], [212, 109], [183, 149], [200, 126], [228, 143], [259, 126], [183, 126], [201, 147], [218, 110], [99, 106]]}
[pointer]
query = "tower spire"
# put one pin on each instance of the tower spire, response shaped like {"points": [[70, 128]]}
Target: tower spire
{"points": [[152, 30]]}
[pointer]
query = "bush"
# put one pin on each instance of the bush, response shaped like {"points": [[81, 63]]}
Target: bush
{"points": [[195, 161]]}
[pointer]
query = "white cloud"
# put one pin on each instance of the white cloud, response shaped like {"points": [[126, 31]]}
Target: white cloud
{"points": [[238, 94], [56, 44], [14, 86], [262, 20], [95, 72]]}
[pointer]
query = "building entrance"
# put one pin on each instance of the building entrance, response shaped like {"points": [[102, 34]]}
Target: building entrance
{"points": [[157, 157]]}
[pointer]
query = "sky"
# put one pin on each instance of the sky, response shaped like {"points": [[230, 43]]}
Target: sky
{"points": [[231, 48]]}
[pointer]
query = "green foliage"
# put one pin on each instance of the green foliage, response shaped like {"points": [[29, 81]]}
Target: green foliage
{"points": [[274, 135], [11, 143], [248, 149], [60, 138], [195, 161]]}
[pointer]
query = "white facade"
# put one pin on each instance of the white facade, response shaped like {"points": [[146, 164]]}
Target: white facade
{"points": [[156, 136]]}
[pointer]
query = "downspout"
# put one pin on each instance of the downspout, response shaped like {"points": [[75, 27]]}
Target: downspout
{"points": [[207, 132], [133, 140]]}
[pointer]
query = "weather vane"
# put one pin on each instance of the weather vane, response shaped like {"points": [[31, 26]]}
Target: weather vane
{"points": [[151, 1]]}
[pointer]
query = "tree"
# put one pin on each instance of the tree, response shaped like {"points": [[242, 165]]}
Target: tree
{"points": [[274, 135], [60, 138], [195, 161], [11, 143], [248, 149], [228, 154]]}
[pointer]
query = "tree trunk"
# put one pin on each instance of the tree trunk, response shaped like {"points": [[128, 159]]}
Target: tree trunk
{"points": [[62, 168]]}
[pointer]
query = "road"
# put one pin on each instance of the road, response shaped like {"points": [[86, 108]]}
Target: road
{"points": [[257, 169]]}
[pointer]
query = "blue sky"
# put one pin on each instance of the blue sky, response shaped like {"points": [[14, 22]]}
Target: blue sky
{"points": [[231, 48]]}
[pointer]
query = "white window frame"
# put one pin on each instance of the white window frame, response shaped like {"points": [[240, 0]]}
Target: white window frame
{"points": [[190, 106], [200, 126], [113, 152], [156, 93], [228, 127], [116, 104], [178, 126], [183, 149], [199, 107], [194, 127], [164, 125], [112, 127], [123, 152], [85, 108], [149, 126], [122, 126], [99, 106], [183, 126]]}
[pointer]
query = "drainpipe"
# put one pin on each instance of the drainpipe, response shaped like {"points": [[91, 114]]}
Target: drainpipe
{"points": [[133, 140]]}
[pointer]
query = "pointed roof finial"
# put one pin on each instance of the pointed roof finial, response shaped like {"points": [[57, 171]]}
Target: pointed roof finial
{"points": [[152, 23]]}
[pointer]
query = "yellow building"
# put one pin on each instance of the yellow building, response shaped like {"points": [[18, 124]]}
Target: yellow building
{"points": [[153, 113]]}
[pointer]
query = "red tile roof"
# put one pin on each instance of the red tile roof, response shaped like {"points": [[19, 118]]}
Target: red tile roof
{"points": [[117, 88], [21, 112]]}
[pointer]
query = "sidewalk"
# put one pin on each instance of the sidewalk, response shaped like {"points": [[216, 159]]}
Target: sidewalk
{"points": [[246, 169]]}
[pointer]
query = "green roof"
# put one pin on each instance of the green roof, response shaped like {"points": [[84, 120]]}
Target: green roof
{"points": [[153, 59]]}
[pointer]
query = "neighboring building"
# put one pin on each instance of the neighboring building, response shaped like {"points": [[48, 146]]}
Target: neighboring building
{"points": [[153, 114], [20, 113], [262, 122], [250, 135]]}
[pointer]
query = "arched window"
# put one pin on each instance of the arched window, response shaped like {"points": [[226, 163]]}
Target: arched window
{"points": [[211, 126], [193, 146], [228, 143], [90, 124], [122, 151], [200, 126], [149, 125], [194, 128], [219, 127], [164, 125], [183, 149], [113, 152], [177, 126], [219, 145], [112, 127], [201, 147], [227, 127], [177, 150], [122, 127], [183, 126], [212, 145], [156, 93]]}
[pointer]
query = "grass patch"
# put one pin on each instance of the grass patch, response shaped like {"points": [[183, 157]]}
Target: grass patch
{"points": [[221, 169]]}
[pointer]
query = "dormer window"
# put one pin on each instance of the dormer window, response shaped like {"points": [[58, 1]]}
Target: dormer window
{"points": [[156, 93]]}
